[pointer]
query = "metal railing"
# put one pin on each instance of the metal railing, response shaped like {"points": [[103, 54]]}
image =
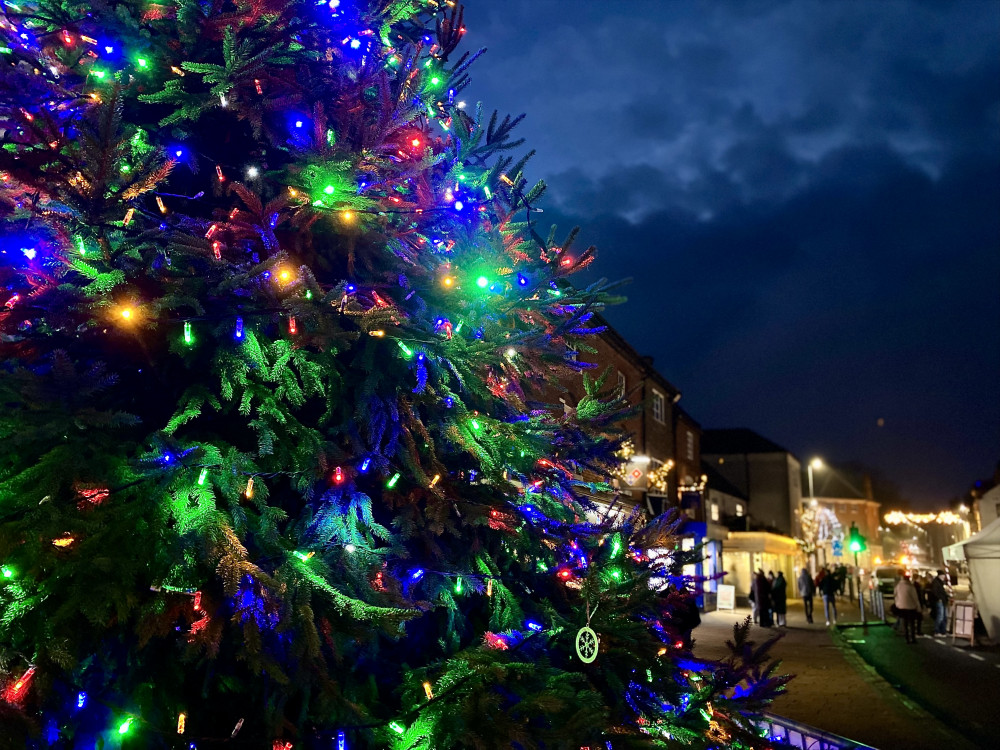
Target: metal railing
{"points": [[795, 734]]}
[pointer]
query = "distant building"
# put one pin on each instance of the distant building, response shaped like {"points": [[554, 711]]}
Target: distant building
{"points": [[763, 472], [725, 503], [987, 507], [844, 504]]}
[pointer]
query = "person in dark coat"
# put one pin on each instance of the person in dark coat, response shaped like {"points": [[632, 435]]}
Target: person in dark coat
{"points": [[807, 590], [940, 598], [762, 595], [828, 587], [779, 592]]}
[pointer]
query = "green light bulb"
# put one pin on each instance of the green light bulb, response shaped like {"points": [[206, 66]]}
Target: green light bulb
{"points": [[125, 726], [7, 572], [328, 190], [482, 282]]}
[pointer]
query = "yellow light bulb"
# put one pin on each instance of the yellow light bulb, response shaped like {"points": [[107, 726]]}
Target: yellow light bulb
{"points": [[127, 313]]}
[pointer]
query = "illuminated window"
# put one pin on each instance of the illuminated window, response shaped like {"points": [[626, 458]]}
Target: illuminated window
{"points": [[715, 511], [659, 406], [739, 511]]}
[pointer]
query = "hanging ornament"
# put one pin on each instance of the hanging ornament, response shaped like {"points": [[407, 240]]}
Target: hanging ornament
{"points": [[587, 642]]}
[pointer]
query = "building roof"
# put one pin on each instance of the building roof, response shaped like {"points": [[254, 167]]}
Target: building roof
{"points": [[737, 440], [643, 363], [718, 482], [831, 483]]}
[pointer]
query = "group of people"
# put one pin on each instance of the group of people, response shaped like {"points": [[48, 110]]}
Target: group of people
{"points": [[769, 595], [828, 583], [913, 595], [769, 599]]}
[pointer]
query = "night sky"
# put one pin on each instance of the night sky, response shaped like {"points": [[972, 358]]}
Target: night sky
{"points": [[807, 195]]}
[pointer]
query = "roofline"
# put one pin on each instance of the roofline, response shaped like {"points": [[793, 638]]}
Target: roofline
{"points": [[618, 341]]}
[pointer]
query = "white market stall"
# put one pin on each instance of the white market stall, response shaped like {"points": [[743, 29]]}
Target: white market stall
{"points": [[982, 554]]}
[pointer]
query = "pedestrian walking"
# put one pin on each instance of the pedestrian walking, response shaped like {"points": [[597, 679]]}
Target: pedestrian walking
{"points": [[779, 602], [762, 595], [921, 585], [907, 604], [828, 586], [940, 598], [807, 590]]}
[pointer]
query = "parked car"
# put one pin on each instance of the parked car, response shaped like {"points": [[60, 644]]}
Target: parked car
{"points": [[886, 576]]}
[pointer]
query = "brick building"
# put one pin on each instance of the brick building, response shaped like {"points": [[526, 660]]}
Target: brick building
{"points": [[664, 470]]}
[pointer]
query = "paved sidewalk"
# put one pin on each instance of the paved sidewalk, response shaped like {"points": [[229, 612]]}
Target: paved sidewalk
{"points": [[834, 689]]}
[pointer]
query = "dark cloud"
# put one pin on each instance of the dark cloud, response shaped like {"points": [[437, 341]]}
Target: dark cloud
{"points": [[805, 194]]}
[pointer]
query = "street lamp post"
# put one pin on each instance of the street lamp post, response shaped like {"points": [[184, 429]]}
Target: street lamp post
{"points": [[815, 463]]}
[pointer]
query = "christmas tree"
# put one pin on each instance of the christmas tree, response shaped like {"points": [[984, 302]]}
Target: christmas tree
{"points": [[280, 465]]}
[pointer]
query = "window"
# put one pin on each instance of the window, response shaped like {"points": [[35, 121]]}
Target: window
{"points": [[659, 407], [690, 446], [621, 383], [739, 511], [715, 511]]}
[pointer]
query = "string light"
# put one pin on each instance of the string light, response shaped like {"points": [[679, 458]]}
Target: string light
{"points": [[428, 691], [338, 475], [248, 492], [125, 726], [181, 722], [188, 338], [392, 482]]}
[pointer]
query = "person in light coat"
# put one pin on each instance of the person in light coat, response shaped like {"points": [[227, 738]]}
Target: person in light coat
{"points": [[807, 590], [908, 606]]}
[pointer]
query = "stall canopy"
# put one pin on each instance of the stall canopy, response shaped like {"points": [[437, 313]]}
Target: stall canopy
{"points": [[982, 553]]}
